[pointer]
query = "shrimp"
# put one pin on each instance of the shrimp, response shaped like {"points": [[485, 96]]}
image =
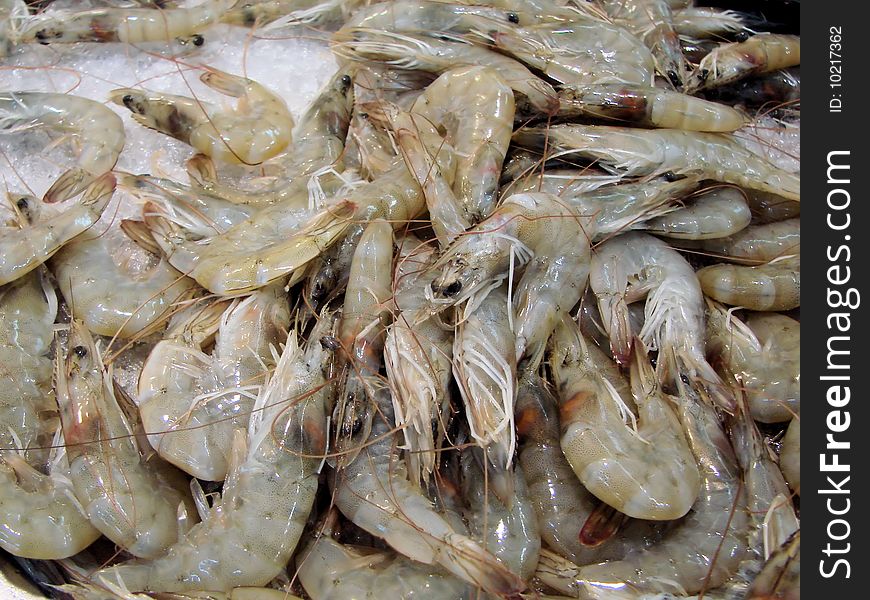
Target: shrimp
{"points": [[647, 107], [759, 54], [758, 243], [632, 152], [485, 367], [318, 144], [700, 22], [126, 25], [332, 571], [763, 355], [552, 283], [790, 456], [782, 87], [361, 333], [259, 127], [40, 517], [256, 252], [22, 250], [773, 286], [560, 501], [418, 359], [123, 496], [247, 537], [434, 55], [627, 268], [28, 308], [581, 52], [374, 492], [415, 16], [619, 467], [475, 106], [97, 130], [652, 21], [112, 289], [278, 13], [770, 208], [716, 214], [703, 550], [377, 154], [192, 403], [508, 528]]}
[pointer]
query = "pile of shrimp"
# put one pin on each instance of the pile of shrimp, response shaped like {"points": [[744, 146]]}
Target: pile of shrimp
{"points": [[510, 310]]}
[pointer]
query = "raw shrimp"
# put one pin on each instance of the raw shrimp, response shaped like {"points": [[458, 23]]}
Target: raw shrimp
{"points": [[652, 21], [376, 148], [763, 355], [770, 208], [192, 403], [39, 515], [96, 129], [332, 571], [374, 492], [790, 456], [700, 22], [437, 55], [619, 467], [318, 144], [485, 367], [265, 248], [127, 25], [425, 16], [361, 332], [632, 152], [247, 537], [582, 52], [278, 13], [633, 265], [258, 128], [418, 359], [123, 496], [703, 550], [715, 214], [758, 243], [475, 107], [773, 286], [28, 308], [553, 281], [561, 502], [761, 53], [508, 528], [114, 287], [778, 88], [24, 249], [647, 107]]}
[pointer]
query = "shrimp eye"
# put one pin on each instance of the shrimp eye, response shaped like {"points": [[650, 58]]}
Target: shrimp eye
{"points": [[329, 343], [684, 378], [453, 289], [128, 101], [346, 81], [670, 176], [513, 17], [22, 203], [704, 74], [198, 40], [42, 35], [742, 36], [80, 351], [674, 77]]}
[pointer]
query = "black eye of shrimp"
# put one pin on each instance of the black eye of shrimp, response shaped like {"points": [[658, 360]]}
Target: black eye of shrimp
{"points": [[346, 81], [80, 351], [198, 40], [22, 203], [129, 102], [453, 289], [513, 17]]}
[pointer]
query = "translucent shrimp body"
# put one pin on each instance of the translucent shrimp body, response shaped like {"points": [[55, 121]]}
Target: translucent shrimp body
{"points": [[127, 25], [761, 53], [611, 459], [374, 492], [124, 497], [773, 286], [248, 536], [28, 308], [763, 355], [758, 243], [715, 214], [640, 152], [475, 106], [96, 129], [705, 549], [24, 249], [647, 107], [192, 403], [115, 287], [258, 128], [674, 310]]}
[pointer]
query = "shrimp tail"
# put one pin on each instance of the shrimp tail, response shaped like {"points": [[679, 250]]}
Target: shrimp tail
{"points": [[602, 524], [69, 184], [485, 570], [685, 366]]}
